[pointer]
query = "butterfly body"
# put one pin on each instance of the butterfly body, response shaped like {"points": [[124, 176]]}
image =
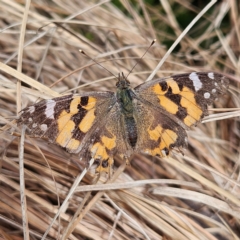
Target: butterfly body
{"points": [[125, 97], [151, 118]]}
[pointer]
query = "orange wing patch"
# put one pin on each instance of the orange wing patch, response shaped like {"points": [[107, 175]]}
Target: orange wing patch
{"points": [[66, 126], [165, 102], [187, 100], [87, 121], [193, 109], [166, 137], [100, 150]]}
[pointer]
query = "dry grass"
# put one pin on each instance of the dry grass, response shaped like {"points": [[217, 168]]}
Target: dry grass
{"points": [[195, 196]]}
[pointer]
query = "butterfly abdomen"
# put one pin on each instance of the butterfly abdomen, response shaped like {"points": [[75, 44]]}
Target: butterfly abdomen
{"points": [[131, 128]]}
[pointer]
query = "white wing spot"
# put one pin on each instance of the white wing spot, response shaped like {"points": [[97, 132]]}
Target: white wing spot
{"points": [[207, 95], [49, 112], [211, 75], [43, 127], [30, 119], [216, 84], [34, 125], [163, 153], [31, 109], [196, 81], [214, 90]]}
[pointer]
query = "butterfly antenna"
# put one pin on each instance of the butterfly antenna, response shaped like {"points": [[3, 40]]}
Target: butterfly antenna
{"points": [[81, 51], [154, 40]]}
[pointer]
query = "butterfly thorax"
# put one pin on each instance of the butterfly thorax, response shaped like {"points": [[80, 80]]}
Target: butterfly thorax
{"points": [[125, 100]]}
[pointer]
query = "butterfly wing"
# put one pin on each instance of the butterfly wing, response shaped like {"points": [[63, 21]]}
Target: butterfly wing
{"points": [[157, 133], [67, 120], [172, 105], [86, 124]]}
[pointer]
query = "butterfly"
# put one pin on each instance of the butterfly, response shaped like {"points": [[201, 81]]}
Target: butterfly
{"points": [[151, 118]]}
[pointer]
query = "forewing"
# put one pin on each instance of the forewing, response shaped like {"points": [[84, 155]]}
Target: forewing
{"points": [[184, 97], [69, 120]]}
